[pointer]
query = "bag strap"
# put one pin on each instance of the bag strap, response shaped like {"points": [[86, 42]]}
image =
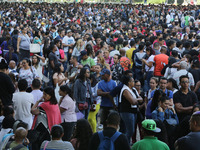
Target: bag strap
{"points": [[115, 136], [18, 147], [45, 145], [8, 145], [101, 136]]}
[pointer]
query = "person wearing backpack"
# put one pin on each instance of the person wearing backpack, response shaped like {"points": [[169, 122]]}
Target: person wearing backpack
{"points": [[20, 137], [110, 138]]}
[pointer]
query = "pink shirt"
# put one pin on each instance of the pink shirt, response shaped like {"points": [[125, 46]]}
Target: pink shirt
{"points": [[69, 115]]}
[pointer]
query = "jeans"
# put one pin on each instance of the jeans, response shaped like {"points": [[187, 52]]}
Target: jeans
{"points": [[129, 120], [65, 63], [85, 112], [147, 81]]}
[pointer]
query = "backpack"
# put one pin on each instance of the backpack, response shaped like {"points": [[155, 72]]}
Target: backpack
{"points": [[18, 147], [107, 143], [6, 140]]}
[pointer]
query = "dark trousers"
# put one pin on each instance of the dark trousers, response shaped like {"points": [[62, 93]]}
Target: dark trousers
{"points": [[68, 130], [23, 54], [104, 112]]}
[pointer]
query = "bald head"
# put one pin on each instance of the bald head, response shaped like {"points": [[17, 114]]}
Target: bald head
{"points": [[20, 134], [12, 64]]}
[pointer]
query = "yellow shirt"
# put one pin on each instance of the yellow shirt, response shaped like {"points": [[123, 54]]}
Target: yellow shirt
{"points": [[129, 55]]}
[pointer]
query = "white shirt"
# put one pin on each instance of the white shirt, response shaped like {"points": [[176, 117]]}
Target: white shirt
{"points": [[22, 106], [181, 72], [168, 18], [37, 94], [150, 59], [67, 40]]}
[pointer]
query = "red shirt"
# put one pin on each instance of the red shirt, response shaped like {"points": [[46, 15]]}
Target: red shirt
{"points": [[96, 48], [160, 61]]}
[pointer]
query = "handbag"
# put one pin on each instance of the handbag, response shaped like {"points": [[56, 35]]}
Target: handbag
{"points": [[35, 48], [83, 106], [171, 121], [140, 117]]}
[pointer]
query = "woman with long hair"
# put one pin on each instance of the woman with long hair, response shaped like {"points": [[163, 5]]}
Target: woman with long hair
{"points": [[82, 92], [82, 135], [152, 104], [67, 109], [79, 46], [49, 108], [38, 62], [128, 106], [58, 75], [172, 85], [28, 72], [101, 60]]}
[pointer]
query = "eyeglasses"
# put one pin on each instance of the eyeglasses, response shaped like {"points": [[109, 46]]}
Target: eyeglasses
{"points": [[23, 63], [184, 82], [137, 85]]}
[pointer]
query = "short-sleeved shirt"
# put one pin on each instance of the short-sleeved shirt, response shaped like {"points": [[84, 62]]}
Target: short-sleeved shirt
{"points": [[106, 87], [186, 100], [129, 54], [150, 143], [89, 61], [168, 93], [57, 145], [68, 40], [160, 61], [69, 105], [14, 144], [25, 42], [52, 57], [60, 77]]}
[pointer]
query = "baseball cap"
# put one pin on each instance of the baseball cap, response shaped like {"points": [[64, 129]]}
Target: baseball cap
{"points": [[150, 125], [83, 53], [105, 71], [69, 31]]}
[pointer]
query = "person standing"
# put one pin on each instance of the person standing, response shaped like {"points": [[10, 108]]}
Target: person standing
{"points": [[191, 140], [23, 102], [116, 69], [150, 142], [23, 44], [105, 86], [6, 86]]}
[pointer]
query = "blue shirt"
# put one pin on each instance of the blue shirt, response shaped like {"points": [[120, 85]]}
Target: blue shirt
{"points": [[168, 114], [106, 87], [168, 93]]}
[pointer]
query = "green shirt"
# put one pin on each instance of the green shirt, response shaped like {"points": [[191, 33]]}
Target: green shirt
{"points": [[89, 61], [14, 144], [150, 143]]}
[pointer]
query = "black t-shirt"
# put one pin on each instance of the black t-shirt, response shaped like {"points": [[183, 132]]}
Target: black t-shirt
{"points": [[52, 57], [196, 74], [121, 142], [186, 100], [6, 89]]}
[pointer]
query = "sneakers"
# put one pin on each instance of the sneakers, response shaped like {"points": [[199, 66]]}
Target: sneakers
{"points": [[100, 127]]}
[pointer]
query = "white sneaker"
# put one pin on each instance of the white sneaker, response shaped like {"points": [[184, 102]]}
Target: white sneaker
{"points": [[100, 127]]}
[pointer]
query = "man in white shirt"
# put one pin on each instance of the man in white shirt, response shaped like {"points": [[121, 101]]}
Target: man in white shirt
{"points": [[183, 71], [68, 41], [168, 18], [36, 92], [23, 102]]}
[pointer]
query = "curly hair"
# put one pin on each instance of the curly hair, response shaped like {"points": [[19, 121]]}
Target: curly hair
{"points": [[82, 133]]}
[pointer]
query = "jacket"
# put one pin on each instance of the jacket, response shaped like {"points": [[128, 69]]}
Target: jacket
{"points": [[80, 91]]}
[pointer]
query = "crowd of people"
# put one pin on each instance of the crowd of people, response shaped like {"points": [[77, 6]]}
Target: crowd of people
{"points": [[69, 70]]}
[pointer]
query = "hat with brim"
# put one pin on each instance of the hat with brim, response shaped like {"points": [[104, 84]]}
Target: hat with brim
{"points": [[150, 124], [83, 53]]}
